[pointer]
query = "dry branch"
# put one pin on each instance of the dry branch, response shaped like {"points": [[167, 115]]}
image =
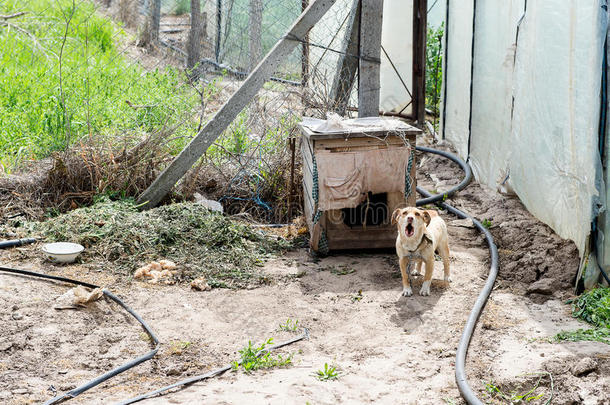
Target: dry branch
{"points": [[8, 17]]}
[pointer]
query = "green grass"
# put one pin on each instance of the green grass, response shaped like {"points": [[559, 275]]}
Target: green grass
{"points": [[291, 325], [97, 80], [523, 395], [255, 357], [176, 348], [594, 335], [328, 373], [592, 307]]}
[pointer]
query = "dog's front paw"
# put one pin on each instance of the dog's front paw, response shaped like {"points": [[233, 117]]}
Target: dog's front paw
{"points": [[448, 279], [425, 288], [407, 292], [415, 272]]}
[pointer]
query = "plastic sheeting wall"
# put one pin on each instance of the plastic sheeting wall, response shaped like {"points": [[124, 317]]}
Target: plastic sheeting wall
{"points": [[494, 56], [535, 102], [456, 105], [437, 9]]}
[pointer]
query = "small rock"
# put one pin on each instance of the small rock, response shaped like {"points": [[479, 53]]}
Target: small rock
{"points": [[544, 286], [173, 370], [5, 394], [15, 307], [465, 223], [445, 354], [4, 346], [20, 391], [200, 284], [17, 316], [584, 366], [209, 204], [62, 372]]}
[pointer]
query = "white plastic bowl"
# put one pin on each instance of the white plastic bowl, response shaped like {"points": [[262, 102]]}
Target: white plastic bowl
{"points": [[62, 252]]}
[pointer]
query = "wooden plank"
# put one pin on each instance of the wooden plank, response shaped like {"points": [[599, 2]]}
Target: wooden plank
{"points": [[371, 18], [255, 25], [420, 27], [229, 111], [406, 130], [378, 134], [307, 170], [395, 200], [308, 207], [347, 66], [390, 141], [371, 238]]}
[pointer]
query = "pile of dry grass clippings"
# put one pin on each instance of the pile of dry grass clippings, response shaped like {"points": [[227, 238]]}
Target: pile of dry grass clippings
{"points": [[201, 242]]}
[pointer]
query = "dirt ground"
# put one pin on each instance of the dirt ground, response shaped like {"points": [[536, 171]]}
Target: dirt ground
{"points": [[388, 348]]}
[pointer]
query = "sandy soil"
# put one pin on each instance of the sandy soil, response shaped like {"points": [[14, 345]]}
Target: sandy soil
{"points": [[388, 348]]}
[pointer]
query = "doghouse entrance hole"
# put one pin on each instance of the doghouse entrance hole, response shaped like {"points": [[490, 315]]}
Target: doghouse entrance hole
{"points": [[373, 211]]}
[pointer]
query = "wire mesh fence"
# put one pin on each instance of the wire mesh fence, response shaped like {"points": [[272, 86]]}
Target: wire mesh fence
{"points": [[114, 89]]}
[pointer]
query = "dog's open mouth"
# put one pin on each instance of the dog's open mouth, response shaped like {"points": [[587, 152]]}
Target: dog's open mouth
{"points": [[409, 230]]}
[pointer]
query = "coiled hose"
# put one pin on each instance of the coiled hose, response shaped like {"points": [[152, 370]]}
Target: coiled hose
{"points": [[462, 350]]}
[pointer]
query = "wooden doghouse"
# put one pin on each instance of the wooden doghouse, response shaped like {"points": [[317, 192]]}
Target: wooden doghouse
{"points": [[352, 179]]}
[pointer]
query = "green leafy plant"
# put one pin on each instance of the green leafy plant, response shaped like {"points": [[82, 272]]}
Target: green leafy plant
{"points": [[291, 325], [515, 396], [357, 297], [328, 373], [578, 335], [341, 270], [258, 357], [592, 307], [178, 347], [434, 67], [486, 223]]}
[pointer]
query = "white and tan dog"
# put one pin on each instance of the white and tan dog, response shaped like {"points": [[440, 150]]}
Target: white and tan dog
{"points": [[420, 234]]}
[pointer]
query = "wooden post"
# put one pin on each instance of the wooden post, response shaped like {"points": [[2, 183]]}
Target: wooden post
{"points": [[255, 26], [156, 20], [305, 51], [348, 63], [371, 18], [420, 31], [227, 113], [149, 29], [193, 45], [218, 29]]}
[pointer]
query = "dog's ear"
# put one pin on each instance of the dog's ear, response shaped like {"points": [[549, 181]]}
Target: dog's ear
{"points": [[427, 218], [395, 215]]}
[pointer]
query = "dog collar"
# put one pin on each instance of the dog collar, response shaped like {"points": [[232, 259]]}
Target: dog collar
{"points": [[424, 238]]}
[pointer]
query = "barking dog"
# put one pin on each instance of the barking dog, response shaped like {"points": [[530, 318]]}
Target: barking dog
{"points": [[420, 234]]}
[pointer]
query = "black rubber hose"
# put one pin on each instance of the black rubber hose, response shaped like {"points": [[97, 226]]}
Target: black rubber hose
{"points": [[16, 242], [212, 373], [100, 379], [429, 199], [462, 350]]}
